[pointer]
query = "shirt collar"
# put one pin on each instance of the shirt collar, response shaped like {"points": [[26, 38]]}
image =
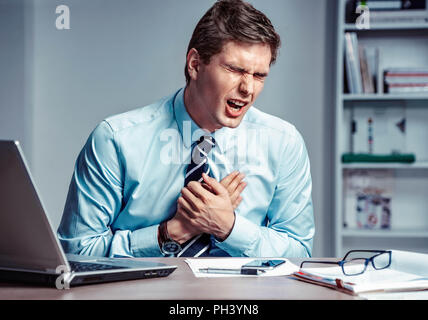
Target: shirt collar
{"points": [[189, 130]]}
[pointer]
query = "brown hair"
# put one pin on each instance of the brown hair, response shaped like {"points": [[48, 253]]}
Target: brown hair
{"points": [[231, 20]]}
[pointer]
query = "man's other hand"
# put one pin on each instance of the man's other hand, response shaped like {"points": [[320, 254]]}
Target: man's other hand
{"points": [[234, 186]]}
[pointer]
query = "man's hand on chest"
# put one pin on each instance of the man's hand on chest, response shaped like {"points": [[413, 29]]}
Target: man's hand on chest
{"points": [[208, 207]]}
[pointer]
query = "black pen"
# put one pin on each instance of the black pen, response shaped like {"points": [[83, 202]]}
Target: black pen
{"points": [[231, 271]]}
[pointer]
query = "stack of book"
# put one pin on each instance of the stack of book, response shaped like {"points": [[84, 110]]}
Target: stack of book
{"points": [[360, 64], [406, 80]]}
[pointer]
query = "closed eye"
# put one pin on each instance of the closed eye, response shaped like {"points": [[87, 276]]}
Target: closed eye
{"points": [[259, 75], [235, 69]]}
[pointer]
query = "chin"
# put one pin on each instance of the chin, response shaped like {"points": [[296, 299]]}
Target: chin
{"points": [[232, 123]]}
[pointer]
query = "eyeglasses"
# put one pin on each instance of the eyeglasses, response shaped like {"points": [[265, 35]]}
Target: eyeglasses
{"points": [[354, 262]]}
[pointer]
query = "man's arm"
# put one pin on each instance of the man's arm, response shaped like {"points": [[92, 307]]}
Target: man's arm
{"points": [[95, 200], [291, 228]]}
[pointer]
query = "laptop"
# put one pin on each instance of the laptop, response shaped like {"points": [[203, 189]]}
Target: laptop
{"points": [[29, 248]]}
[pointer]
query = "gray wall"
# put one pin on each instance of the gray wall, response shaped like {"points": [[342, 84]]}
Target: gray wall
{"points": [[56, 85], [16, 72]]}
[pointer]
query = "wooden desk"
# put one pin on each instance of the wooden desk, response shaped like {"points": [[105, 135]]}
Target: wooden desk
{"points": [[181, 285]]}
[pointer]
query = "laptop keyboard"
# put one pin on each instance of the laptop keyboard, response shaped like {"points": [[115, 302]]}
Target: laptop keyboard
{"points": [[88, 266]]}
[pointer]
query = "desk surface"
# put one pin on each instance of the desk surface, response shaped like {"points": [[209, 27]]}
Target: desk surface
{"points": [[181, 285]]}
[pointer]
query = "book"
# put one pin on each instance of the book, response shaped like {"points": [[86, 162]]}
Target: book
{"points": [[366, 74], [408, 272], [405, 71], [406, 80], [379, 78], [349, 60], [408, 88], [352, 63]]}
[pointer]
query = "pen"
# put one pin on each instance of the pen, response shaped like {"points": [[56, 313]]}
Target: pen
{"points": [[231, 271]]}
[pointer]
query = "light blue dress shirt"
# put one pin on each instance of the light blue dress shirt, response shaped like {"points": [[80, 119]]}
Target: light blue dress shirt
{"points": [[129, 175]]}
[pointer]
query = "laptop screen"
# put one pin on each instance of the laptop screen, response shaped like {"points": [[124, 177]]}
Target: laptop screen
{"points": [[27, 240]]}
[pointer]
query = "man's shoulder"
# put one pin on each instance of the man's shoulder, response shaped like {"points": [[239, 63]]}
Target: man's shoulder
{"points": [[257, 118], [160, 110]]}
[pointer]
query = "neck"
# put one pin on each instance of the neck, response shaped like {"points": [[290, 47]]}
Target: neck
{"points": [[194, 109]]}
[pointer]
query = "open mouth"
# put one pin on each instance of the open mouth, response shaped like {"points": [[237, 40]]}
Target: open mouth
{"points": [[236, 107]]}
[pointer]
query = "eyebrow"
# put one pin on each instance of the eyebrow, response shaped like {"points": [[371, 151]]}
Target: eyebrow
{"points": [[242, 70]]}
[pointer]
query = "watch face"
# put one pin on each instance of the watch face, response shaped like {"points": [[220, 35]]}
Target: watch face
{"points": [[171, 248]]}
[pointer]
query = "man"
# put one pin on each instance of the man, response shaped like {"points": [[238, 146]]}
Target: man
{"points": [[162, 179]]}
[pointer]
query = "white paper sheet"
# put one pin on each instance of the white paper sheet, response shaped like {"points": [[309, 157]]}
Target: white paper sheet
{"points": [[236, 263]]}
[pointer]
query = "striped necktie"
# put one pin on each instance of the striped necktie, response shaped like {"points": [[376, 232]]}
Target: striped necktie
{"points": [[198, 245]]}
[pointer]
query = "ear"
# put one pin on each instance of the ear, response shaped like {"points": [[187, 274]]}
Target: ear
{"points": [[193, 63]]}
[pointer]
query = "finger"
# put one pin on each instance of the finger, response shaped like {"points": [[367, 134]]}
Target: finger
{"points": [[217, 186], [199, 191], [186, 207], [237, 202], [207, 187], [235, 182], [191, 198], [239, 190], [228, 179]]}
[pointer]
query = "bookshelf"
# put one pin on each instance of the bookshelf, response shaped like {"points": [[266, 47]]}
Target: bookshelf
{"points": [[400, 45], [387, 26], [384, 96]]}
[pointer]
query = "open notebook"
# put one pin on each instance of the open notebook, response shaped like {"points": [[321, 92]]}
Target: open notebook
{"points": [[408, 272]]}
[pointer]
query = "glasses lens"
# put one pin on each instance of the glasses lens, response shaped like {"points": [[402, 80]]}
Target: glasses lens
{"points": [[382, 260], [353, 267]]}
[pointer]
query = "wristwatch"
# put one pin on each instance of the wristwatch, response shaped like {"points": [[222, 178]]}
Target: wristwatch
{"points": [[169, 247]]}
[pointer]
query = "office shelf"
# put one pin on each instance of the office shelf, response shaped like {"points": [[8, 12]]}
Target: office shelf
{"points": [[400, 45], [391, 26], [385, 233], [384, 97], [404, 166]]}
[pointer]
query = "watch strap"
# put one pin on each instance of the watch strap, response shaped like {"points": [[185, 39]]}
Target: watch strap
{"points": [[166, 243], [163, 235]]}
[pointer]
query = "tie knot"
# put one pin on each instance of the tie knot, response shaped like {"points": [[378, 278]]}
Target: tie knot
{"points": [[207, 139], [202, 148]]}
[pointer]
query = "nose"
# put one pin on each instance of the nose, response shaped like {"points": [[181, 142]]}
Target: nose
{"points": [[246, 86]]}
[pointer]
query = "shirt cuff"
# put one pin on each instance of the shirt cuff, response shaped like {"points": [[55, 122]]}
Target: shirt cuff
{"points": [[144, 242], [241, 239]]}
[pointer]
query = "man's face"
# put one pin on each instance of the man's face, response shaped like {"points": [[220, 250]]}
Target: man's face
{"points": [[227, 87]]}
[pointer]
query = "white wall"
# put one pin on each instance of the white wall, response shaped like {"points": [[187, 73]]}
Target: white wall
{"points": [[122, 55]]}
